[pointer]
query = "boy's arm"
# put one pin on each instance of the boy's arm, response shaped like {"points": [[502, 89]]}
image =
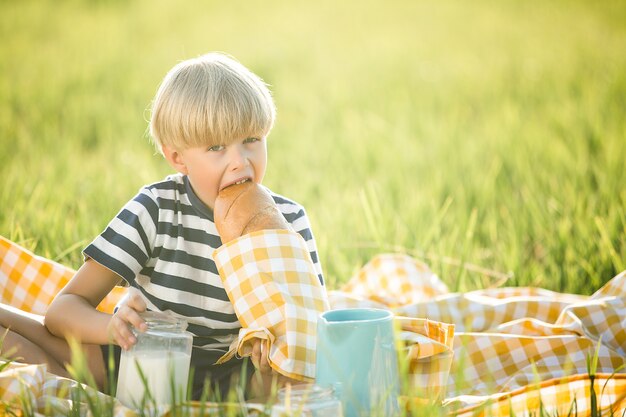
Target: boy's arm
{"points": [[242, 209], [73, 311]]}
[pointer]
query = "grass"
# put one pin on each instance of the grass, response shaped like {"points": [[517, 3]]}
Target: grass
{"points": [[85, 399], [486, 137], [490, 133]]}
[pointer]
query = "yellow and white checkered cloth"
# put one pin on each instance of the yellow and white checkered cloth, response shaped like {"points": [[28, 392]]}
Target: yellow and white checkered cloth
{"points": [[507, 339], [271, 281], [506, 350], [27, 389], [30, 282]]}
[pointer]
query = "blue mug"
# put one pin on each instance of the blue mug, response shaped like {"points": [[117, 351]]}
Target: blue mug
{"points": [[356, 355]]}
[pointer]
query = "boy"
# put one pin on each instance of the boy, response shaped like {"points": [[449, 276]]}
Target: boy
{"points": [[210, 120]]}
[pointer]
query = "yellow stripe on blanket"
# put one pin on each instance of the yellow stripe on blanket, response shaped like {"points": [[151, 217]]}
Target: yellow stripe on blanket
{"points": [[30, 282]]}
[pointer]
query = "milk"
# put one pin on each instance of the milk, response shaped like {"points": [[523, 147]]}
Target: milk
{"points": [[158, 368]]}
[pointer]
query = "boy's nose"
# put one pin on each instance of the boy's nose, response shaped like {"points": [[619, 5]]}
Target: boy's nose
{"points": [[238, 157]]}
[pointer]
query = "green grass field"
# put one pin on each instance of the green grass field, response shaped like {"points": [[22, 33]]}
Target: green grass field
{"points": [[486, 132]]}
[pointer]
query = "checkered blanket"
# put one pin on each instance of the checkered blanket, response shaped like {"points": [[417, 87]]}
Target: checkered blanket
{"points": [[30, 282], [27, 389], [495, 352], [270, 279], [515, 349]]}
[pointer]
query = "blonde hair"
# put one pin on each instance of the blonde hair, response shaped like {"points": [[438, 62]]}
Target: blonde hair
{"points": [[210, 100]]}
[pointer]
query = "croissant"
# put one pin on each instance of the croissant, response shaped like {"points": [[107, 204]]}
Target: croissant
{"points": [[245, 208]]}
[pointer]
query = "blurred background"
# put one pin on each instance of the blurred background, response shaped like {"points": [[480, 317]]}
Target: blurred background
{"points": [[486, 138]]}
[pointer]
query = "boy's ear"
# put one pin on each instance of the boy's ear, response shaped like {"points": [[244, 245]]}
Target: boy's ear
{"points": [[175, 159]]}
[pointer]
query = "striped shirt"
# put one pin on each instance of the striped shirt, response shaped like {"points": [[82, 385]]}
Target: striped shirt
{"points": [[162, 242]]}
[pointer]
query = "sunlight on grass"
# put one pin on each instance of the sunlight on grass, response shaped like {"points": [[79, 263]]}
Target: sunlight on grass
{"points": [[486, 139], [509, 116], [85, 398]]}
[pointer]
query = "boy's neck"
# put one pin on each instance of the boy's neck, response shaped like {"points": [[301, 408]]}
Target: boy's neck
{"points": [[197, 204]]}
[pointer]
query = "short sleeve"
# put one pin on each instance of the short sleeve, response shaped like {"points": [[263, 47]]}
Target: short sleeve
{"points": [[300, 223], [128, 240]]}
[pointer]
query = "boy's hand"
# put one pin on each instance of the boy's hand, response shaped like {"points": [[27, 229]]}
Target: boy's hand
{"points": [[259, 358], [127, 315], [264, 379]]}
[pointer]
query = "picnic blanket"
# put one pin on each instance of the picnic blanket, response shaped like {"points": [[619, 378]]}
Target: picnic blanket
{"points": [[495, 351], [515, 349], [30, 282]]}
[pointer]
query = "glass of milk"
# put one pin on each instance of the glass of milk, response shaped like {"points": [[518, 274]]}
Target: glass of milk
{"points": [[162, 354]]}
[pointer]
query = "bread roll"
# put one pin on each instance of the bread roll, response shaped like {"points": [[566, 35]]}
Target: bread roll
{"points": [[245, 208]]}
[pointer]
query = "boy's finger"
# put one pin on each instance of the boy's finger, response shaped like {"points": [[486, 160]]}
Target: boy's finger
{"points": [[264, 364], [136, 301], [122, 320], [256, 353], [259, 360], [134, 319], [122, 334]]}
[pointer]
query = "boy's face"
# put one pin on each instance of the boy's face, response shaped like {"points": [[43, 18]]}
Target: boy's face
{"points": [[213, 168]]}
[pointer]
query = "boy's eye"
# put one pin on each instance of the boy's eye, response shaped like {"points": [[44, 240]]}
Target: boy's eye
{"points": [[251, 140], [216, 148]]}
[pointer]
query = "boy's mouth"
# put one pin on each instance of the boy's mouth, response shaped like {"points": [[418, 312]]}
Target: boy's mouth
{"points": [[237, 182]]}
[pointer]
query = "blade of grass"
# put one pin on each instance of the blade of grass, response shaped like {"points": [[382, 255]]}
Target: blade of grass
{"points": [[469, 234], [608, 245], [592, 366]]}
